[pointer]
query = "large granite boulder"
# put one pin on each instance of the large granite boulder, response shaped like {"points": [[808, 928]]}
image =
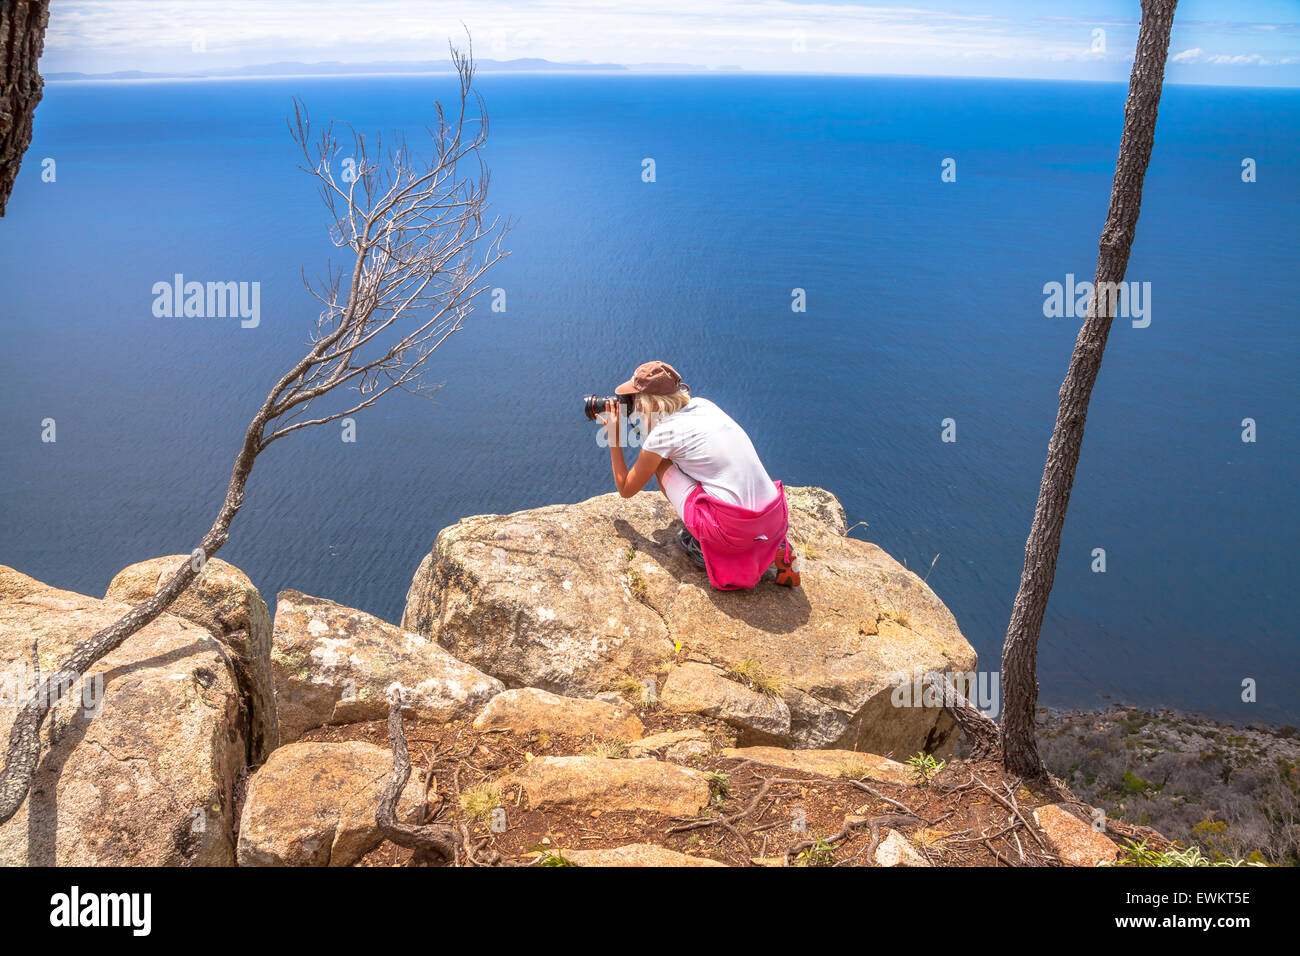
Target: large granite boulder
{"points": [[574, 598], [139, 763], [334, 665], [224, 601]]}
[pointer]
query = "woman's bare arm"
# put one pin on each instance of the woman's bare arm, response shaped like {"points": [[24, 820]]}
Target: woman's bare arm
{"points": [[647, 464]]}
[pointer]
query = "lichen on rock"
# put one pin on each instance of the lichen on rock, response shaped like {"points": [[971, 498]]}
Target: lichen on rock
{"points": [[334, 664]]}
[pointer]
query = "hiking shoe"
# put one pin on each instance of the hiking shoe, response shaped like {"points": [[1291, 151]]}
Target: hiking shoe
{"points": [[687, 542], [788, 565]]}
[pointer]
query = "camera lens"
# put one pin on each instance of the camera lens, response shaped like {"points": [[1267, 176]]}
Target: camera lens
{"points": [[593, 405]]}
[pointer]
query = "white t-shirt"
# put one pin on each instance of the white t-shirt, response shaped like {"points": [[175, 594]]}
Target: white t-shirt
{"points": [[703, 441]]}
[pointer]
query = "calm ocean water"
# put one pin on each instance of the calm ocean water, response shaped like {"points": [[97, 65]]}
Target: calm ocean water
{"points": [[924, 302]]}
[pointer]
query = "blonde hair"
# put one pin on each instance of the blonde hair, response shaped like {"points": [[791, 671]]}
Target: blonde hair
{"points": [[655, 408]]}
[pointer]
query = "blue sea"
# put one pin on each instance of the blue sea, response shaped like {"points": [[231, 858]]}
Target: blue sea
{"points": [[924, 302]]}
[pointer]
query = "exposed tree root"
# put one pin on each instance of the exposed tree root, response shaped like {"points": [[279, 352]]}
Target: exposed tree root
{"points": [[432, 842]]}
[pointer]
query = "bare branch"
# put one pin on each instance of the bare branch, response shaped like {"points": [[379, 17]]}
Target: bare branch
{"points": [[420, 242]]}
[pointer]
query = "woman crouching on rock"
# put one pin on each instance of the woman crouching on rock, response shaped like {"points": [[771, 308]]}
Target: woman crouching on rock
{"points": [[735, 515]]}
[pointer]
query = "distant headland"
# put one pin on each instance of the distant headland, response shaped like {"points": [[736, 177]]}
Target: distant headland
{"points": [[394, 68]]}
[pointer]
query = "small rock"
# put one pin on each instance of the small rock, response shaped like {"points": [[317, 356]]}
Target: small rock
{"points": [[676, 745], [896, 850], [601, 783], [828, 763], [635, 854], [1076, 843], [701, 689], [532, 709]]}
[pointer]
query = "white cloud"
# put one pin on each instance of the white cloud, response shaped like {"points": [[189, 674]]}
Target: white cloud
{"points": [[1255, 59], [1187, 56]]}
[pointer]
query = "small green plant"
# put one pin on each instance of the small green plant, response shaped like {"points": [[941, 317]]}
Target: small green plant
{"points": [[1135, 784], [628, 686], [820, 853], [609, 749], [1208, 828], [924, 766], [629, 554], [755, 676], [479, 801], [1139, 854], [664, 666], [637, 584], [637, 691], [851, 769], [719, 787], [548, 858]]}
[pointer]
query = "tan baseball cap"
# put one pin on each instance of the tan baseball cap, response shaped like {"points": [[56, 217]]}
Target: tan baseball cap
{"points": [[651, 378]]}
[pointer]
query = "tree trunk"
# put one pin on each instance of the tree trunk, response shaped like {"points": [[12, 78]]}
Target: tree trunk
{"points": [[1019, 653], [22, 38]]}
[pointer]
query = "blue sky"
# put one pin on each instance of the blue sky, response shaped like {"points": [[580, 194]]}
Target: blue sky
{"points": [[1241, 42]]}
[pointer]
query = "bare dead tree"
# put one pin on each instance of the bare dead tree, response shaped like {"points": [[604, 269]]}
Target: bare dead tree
{"points": [[1020, 650], [419, 242], [22, 40]]}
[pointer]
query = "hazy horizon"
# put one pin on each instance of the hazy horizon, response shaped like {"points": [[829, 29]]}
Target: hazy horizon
{"points": [[577, 67], [1252, 43]]}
